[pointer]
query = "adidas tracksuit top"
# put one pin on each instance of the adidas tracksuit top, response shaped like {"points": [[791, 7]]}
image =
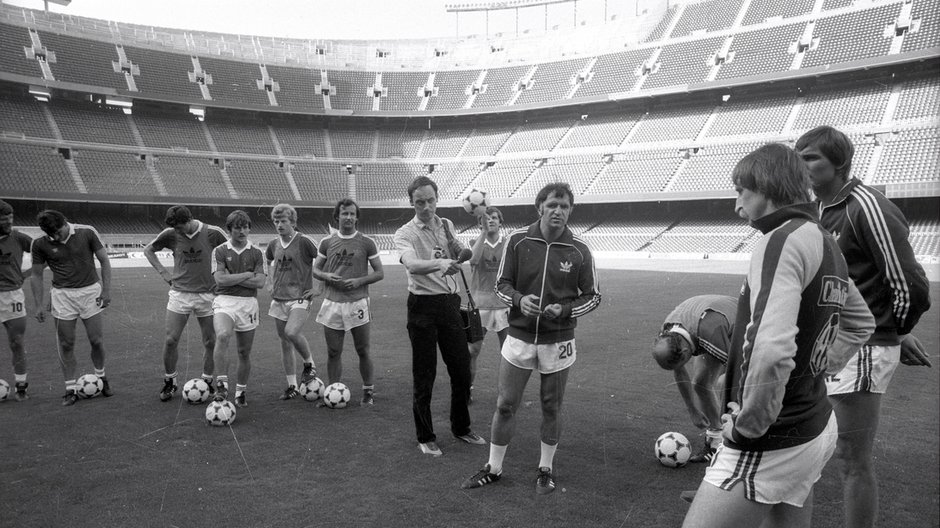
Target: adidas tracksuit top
{"points": [[559, 272], [797, 308]]}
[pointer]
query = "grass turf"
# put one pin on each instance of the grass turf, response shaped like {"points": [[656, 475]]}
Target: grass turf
{"points": [[132, 460]]}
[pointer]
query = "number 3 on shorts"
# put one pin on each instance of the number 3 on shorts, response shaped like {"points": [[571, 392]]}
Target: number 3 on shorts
{"points": [[565, 350]]}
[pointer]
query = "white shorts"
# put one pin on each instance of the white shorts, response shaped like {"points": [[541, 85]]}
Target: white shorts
{"points": [[186, 303], [869, 370], [344, 315], [552, 357], [495, 320], [780, 475], [282, 309], [242, 310], [12, 305], [69, 304]]}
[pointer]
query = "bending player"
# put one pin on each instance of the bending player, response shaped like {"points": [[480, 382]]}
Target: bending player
{"points": [[798, 314], [191, 288], [70, 251], [290, 257], [14, 259], [484, 270], [697, 335], [239, 270], [343, 261]]}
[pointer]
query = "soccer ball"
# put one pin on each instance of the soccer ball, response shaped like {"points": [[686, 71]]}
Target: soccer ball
{"points": [[476, 202], [220, 413], [673, 450], [89, 386], [196, 390], [336, 395], [312, 390], [4, 389]]}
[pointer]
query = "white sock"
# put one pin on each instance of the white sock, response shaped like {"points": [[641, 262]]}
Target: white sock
{"points": [[239, 389], [20, 378], [548, 455], [713, 437], [99, 373], [497, 454], [292, 380], [171, 376]]}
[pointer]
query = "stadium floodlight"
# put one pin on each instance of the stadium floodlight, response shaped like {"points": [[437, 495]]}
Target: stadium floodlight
{"points": [[41, 93], [198, 111]]}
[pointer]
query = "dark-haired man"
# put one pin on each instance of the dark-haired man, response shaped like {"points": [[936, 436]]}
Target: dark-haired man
{"points": [[14, 246]]}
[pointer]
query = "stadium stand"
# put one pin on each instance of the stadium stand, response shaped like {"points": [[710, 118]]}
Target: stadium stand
{"points": [[162, 128], [852, 36], [499, 85], [34, 168], [240, 134], [375, 181], [92, 123], [83, 61], [660, 30], [444, 142], [849, 106], [708, 16], [925, 16], [760, 52], [670, 122], [352, 142], [578, 171], [13, 59], [354, 90], [710, 168], [636, 172], [20, 116], [600, 130], [189, 178], [910, 156], [500, 179], [297, 87], [116, 173], [759, 11], [233, 81], [259, 180], [919, 100], [750, 115], [452, 89], [683, 63], [486, 141], [299, 137], [614, 73], [165, 76], [320, 181], [552, 81], [402, 90], [536, 135]]}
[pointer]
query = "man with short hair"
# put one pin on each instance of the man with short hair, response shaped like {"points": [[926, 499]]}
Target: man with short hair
{"points": [[14, 260], [70, 251], [697, 335], [343, 261], [872, 233], [290, 258], [798, 315], [192, 288], [239, 270], [484, 270], [432, 255], [547, 279]]}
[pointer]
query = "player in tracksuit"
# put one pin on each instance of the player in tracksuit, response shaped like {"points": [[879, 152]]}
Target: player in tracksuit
{"points": [[873, 236], [694, 344], [547, 278], [798, 314]]}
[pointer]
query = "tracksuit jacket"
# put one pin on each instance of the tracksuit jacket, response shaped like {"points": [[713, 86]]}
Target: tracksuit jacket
{"points": [[797, 311], [559, 272], [873, 236]]}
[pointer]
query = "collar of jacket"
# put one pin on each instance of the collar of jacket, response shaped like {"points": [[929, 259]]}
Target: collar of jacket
{"points": [[535, 231], [768, 223], [843, 193]]}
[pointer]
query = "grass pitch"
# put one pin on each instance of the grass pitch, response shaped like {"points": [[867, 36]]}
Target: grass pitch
{"points": [[131, 460]]}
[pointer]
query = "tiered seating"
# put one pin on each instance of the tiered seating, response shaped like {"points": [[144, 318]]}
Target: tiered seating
{"points": [[710, 168], [451, 89], [637, 172], [684, 63], [19, 115], [259, 180], [164, 74], [920, 99], [844, 106], [453, 178], [403, 88], [660, 29], [243, 135], [613, 73], [535, 135], [298, 87], [234, 81], [300, 138], [12, 58], [760, 10], [624, 235], [928, 34], [925, 236], [486, 141], [552, 81], [829, 5], [852, 36], [83, 61], [500, 86], [444, 143], [352, 142], [32, 168], [190, 177], [578, 171], [91, 123], [751, 115], [158, 129], [600, 130], [502, 179], [670, 123], [403, 143], [911, 156], [353, 89], [114, 173], [708, 16], [703, 234], [379, 182], [320, 181], [762, 51]]}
